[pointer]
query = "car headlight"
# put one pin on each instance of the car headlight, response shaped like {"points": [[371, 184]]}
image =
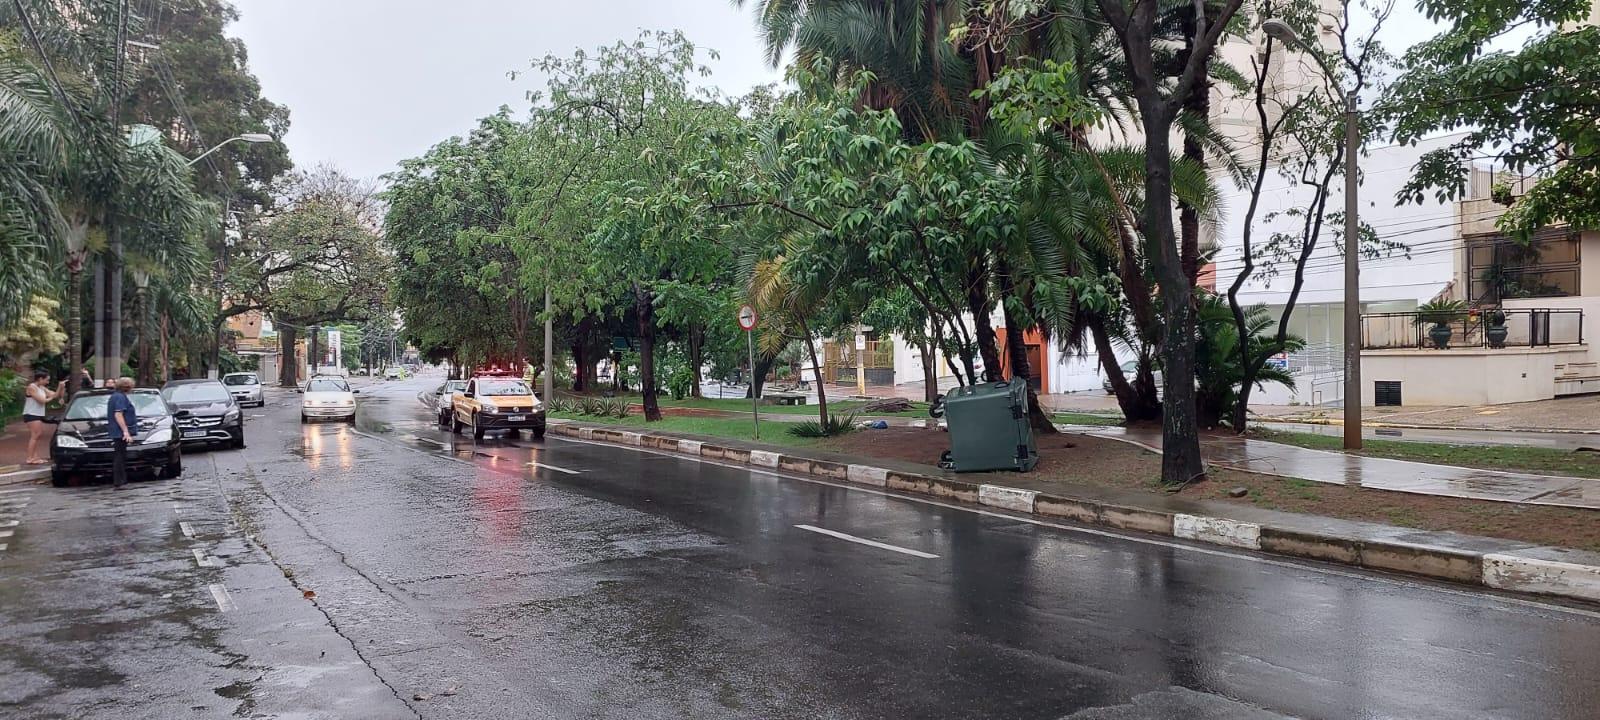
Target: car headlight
{"points": [[347, 402], [490, 408], [538, 405], [160, 436], [231, 415], [70, 441]]}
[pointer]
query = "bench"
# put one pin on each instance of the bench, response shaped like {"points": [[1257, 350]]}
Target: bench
{"points": [[785, 399]]}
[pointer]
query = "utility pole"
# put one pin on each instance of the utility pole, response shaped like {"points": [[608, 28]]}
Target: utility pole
{"points": [[1352, 240], [1352, 278]]}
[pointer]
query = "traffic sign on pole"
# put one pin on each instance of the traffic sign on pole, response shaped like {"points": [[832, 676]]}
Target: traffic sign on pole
{"points": [[747, 320]]}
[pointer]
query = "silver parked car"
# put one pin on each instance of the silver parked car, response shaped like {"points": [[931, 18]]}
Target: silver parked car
{"points": [[245, 387]]}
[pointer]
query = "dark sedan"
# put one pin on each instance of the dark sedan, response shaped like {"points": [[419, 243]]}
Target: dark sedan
{"points": [[82, 443], [213, 416]]}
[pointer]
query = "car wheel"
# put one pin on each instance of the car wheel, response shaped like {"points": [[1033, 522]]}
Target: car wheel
{"points": [[538, 433], [58, 478], [303, 419], [238, 440], [477, 430], [171, 470], [455, 425]]}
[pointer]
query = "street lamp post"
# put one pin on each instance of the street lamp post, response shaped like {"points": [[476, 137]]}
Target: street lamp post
{"points": [[1281, 31], [141, 286], [222, 249]]}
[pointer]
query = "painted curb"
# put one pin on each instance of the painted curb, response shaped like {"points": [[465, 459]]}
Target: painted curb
{"points": [[1503, 571], [24, 476], [1007, 498], [1545, 577], [1217, 531]]}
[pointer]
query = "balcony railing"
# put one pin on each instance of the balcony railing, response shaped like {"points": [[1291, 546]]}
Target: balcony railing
{"points": [[1528, 327]]}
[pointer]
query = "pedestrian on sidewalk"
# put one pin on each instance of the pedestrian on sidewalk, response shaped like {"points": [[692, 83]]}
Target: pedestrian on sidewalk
{"points": [[33, 412], [124, 421]]}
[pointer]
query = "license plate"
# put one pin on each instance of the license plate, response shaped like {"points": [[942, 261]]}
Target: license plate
{"points": [[516, 418], [194, 433]]}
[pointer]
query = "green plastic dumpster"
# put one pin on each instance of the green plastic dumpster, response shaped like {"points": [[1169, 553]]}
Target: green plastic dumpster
{"points": [[988, 428]]}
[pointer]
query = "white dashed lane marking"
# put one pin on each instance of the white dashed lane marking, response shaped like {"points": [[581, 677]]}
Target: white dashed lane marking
{"points": [[220, 594], [869, 543], [188, 530]]}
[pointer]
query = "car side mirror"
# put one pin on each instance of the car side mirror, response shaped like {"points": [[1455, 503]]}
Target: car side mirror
{"points": [[355, 392], [182, 414], [467, 394]]}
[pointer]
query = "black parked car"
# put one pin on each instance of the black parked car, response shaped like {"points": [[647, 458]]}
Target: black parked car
{"points": [[213, 416], [82, 443]]}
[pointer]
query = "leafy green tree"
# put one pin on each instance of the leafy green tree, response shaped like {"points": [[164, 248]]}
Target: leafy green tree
{"points": [[1531, 110]]}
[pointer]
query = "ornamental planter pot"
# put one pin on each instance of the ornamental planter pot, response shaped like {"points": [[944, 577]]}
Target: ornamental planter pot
{"points": [[1440, 335], [1496, 334]]}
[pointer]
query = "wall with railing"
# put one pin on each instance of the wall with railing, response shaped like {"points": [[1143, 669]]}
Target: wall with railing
{"points": [[1526, 327]]}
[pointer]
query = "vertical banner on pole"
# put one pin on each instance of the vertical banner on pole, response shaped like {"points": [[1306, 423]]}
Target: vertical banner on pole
{"points": [[747, 321]]}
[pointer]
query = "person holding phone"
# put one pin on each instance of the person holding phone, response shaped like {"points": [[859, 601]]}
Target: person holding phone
{"points": [[39, 395], [124, 422]]}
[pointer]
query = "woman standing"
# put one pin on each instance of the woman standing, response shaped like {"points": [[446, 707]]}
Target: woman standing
{"points": [[33, 410]]}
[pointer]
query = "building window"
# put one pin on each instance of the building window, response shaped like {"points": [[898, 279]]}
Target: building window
{"points": [[1501, 268]]}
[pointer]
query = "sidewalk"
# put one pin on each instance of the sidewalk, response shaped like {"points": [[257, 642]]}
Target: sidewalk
{"points": [[1577, 414], [1270, 458], [14, 452]]}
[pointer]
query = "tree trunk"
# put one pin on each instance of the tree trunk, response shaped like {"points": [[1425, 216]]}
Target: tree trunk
{"points": [[1181, 462], [758, 374], [647, 352], [616, 371], [1017, 350], [930, 372], [166, 352], [696, 339], [1197, 104], [816, 371], [289, 365], [979, 305], [580, 378]]}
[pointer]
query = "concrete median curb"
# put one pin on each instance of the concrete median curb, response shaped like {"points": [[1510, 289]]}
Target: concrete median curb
{"points": [[1486, 562]]}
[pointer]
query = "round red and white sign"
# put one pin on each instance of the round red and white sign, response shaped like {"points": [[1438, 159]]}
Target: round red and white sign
{"points": [[747, 317]]}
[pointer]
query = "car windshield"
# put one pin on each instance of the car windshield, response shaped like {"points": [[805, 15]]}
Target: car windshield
{"points": [[327, 385], [503, 387], [196, 392], [93, 407], [240, 380], [455, 386]]}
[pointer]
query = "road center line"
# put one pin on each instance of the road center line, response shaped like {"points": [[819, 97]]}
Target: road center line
{"points": [[200, 558], [188, 530], [220, 594], [869, 543], [552, 467]]}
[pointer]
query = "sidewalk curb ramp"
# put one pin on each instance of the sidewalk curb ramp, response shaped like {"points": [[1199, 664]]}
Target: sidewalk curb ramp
{"points": [[1486, 562]]}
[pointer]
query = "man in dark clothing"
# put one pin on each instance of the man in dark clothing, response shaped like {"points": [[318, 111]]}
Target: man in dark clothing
{"points": [[85, 380], [124, 423]]}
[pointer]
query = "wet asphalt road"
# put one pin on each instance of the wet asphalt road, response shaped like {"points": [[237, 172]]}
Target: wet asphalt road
{"points": [[385, 571]]}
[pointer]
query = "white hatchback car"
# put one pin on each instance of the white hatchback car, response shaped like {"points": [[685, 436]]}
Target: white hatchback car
{"points": [[327, 397], [245, 388]]}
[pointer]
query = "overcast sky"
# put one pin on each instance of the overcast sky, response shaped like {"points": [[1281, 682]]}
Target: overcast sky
{"points": [[371, 82]]}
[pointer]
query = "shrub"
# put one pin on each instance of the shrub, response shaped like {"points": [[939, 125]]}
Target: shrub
{"points": [[834, 426]]}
